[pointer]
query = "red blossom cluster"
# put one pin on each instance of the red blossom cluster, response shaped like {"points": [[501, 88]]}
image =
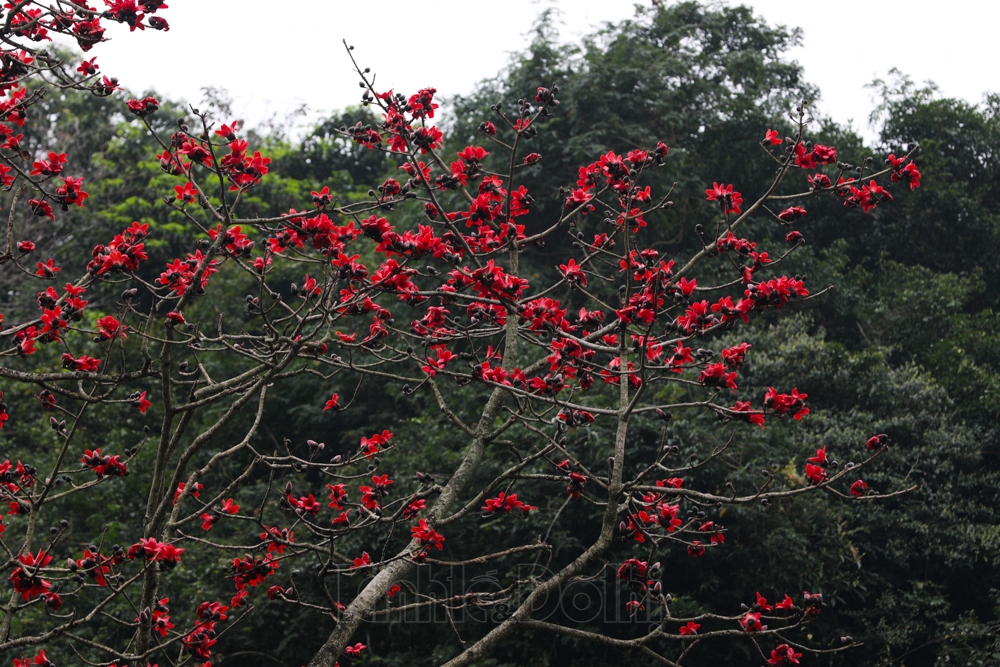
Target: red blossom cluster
{"points": [[445, 307]]}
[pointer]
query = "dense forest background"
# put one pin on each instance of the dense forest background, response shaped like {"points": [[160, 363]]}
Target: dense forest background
{"points": [[907, 343]]}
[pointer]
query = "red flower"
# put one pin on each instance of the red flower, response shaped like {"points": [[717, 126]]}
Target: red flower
{"points": [[161, 620], [575, 417], [143, 107], [364, 560], [239, 599], [372, 495], [40, 660], [200, 640], [228, 132], [910, 174], [783, 404], [30, 585], [579, 198], [427, 139], [813, 602], [729, 200], [106, 86], [142, 403], [414, 508], [471, 154], [252, 571], [867, 197], [104, 465], [212, 611], [730, 242], [819, 181], [784, 655], [84, 364], [791, 214], [332, 403], [820, 456], [48, 402], [576, 484], [680, 357], [825, 154], [751, 622], [88, 67], [733, 357], [573, 273], [169, 555], [187, 193], [303, 504], [877, 441], [506, 503], [686, 286], [71, 192], [180, 489], [422, 105], [634, 606], [427, 536], [52, 166], [690, 629], [771, 137], [715, 375], [338, 495], [196, 152], [273, 535], [47, 269], [633, 570], [370, 446], [818, 155], [109, 328], [858, 488], [433, 365], [815, 474], [355, 651], [787, 603]]}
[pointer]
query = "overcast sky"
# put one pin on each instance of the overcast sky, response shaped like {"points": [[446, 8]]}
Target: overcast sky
{"points": [[275, 56]]}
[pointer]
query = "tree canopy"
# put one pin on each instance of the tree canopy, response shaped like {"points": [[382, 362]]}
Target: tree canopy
{"points": [[906, 343]]}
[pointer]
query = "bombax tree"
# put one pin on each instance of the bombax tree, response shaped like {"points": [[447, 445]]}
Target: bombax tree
{"points": [[430, 285]]}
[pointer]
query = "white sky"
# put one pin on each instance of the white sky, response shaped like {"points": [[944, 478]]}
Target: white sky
{"points": [[275, 56]]}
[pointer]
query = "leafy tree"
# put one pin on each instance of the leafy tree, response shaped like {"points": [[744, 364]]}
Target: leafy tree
{"points": [[911, 291], [611, 417]]}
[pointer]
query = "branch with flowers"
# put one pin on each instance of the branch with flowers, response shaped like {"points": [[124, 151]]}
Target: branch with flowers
{"points": [[448, 308]]}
